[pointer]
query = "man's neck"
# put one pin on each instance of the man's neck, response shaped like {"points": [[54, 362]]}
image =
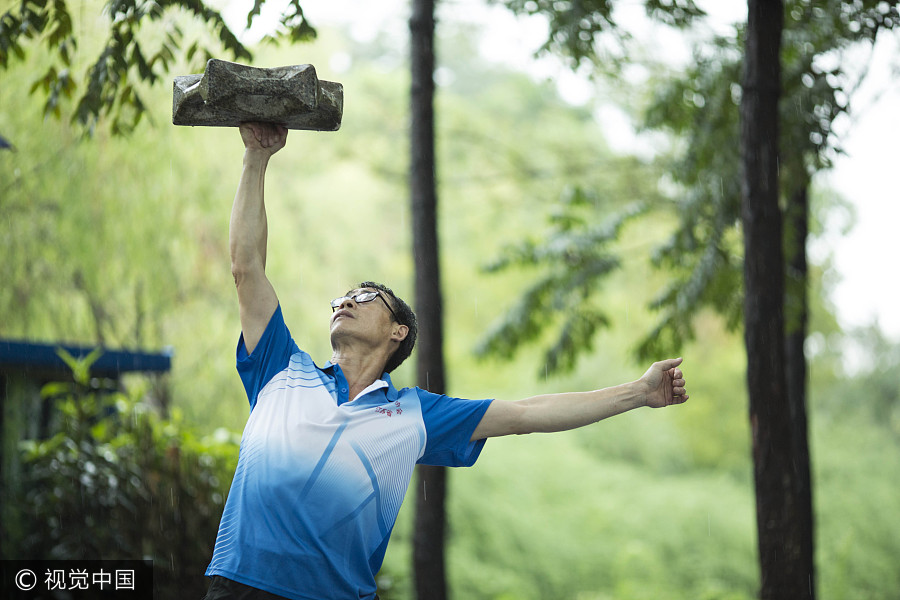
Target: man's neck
{"points": [[360, 370]]}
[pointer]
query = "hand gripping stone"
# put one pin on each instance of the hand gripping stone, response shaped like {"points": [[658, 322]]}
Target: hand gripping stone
{"points": [[229, 94]]}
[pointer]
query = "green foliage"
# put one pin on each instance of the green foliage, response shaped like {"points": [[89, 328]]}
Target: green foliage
{"points": [[817, 87], [292, 24], [119, 482], [142, 41], [575, 259], [653, 506], [581, 29], [856, 398], [704, 255], [63, 229], [861, 359], [701, 107], [569, 523]]}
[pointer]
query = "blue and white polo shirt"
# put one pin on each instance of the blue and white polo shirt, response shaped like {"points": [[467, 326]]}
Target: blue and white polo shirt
{"points": [[320, 477]]}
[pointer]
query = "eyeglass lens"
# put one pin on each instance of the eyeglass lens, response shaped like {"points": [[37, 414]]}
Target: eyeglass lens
{"points": [[360, 297]]}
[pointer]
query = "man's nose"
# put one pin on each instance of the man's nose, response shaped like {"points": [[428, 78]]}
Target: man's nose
{"points": [[347, 302]]}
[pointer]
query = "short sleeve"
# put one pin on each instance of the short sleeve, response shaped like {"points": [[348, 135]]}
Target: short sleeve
{"points": [[271, 355], [449, 425]]}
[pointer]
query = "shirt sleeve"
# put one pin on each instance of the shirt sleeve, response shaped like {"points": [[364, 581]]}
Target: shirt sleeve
{"points": [[449, 424], [271, 355]]}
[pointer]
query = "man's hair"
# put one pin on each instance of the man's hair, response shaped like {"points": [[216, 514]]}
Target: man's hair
{"points": [[405, 316]]}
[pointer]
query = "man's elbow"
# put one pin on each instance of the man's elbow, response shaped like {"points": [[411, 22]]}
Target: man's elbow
{"points": [[502, 418], [242, 270], [238, 272]]}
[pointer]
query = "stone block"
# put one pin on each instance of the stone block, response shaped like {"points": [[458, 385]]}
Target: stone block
{"points": [[228, 94]]}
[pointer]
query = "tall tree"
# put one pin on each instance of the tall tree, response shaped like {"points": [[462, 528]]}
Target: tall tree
{"points": [[784, 557], [431, 482], [702, 254], [812, 98]]}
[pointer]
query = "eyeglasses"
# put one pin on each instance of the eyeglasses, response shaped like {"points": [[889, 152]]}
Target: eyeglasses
{"points": [[360, 298]]}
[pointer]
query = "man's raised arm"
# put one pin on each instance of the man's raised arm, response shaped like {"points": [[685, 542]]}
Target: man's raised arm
{"points": [[248, 231], [662, 385]]}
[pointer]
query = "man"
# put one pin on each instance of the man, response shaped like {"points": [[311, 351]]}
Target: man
{"points": [[327, 453]]}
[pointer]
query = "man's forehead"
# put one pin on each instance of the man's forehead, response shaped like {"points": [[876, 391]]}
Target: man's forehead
{"points": [[362, 289]]}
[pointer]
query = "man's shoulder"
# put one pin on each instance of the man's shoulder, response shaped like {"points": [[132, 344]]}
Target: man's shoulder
{"points": [[300, 358], [301, 364]]}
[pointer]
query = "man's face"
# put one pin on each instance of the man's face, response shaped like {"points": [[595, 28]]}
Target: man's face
{"points": [[358, 314]]}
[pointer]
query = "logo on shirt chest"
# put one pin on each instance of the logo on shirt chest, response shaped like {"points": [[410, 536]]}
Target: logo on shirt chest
{"points": [[390, 410]]}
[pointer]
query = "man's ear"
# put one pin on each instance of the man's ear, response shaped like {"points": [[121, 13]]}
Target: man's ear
{"points": [[399, 332]]}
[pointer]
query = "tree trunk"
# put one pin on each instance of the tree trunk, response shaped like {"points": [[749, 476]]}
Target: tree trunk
{"points": [[781, 518], [779, 510], [428, 540], [796, 320]]}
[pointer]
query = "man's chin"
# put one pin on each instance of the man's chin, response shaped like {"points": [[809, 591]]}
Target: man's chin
{"points": [[339, 329]]}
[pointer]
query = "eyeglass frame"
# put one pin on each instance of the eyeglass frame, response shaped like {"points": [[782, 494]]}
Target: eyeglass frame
{"points": [[336, 303]]}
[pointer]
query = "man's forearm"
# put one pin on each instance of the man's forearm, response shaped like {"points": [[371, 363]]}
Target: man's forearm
{"points": [[560, 412], [662, 385], [248, 229]]}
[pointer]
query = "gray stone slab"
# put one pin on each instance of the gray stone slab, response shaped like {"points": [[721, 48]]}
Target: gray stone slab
{"points": [[228, 94]]}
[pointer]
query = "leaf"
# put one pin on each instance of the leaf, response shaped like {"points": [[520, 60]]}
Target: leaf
{"points": [[81, 367], [254, 12], [575, 338], [51, 23], [192, 49], [55, 389]]}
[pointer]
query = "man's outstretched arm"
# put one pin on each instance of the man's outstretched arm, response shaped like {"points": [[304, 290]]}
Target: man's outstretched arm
{"points": [[248, 231], [662, 385]]}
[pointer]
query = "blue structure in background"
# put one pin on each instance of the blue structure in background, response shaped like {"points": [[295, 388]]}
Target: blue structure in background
{"points": [[26, 357]]}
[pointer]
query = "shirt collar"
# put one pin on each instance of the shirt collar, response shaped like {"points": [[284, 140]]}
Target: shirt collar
{"points": [[385, 381], [375, 385]]}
